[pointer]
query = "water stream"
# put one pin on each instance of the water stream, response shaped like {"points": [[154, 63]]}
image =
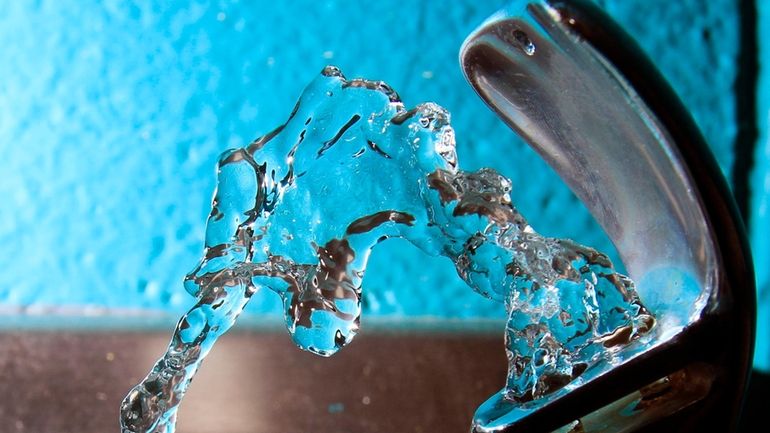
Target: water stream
{"points": [[299, 210]]}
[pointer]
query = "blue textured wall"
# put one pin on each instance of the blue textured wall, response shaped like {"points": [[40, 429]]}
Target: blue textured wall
{"points": [[759, 217], [112, 116]]}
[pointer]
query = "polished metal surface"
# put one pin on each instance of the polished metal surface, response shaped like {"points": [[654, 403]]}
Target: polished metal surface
{"points": [[565, 77], [253, 382], [584, 118]]}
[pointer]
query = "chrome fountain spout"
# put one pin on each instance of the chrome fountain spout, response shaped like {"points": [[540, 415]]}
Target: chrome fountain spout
{"points": [[579, 91]]}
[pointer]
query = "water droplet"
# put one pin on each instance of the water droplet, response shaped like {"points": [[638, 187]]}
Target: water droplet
{"points": [[336, 408], [523, 41]]}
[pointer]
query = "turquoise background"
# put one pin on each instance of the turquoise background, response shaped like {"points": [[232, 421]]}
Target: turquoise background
{"points": [[112, 116]]}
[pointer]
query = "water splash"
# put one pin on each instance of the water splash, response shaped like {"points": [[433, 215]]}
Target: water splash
{"points": [[299, 210]]}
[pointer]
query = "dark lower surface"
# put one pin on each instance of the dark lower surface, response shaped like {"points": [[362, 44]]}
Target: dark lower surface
{"points": [[253, 382], [757, 408], [259, 382]]}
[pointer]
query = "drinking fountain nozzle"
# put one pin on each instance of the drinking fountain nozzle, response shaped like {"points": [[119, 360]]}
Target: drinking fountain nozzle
{"points": [[582, 94]]}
